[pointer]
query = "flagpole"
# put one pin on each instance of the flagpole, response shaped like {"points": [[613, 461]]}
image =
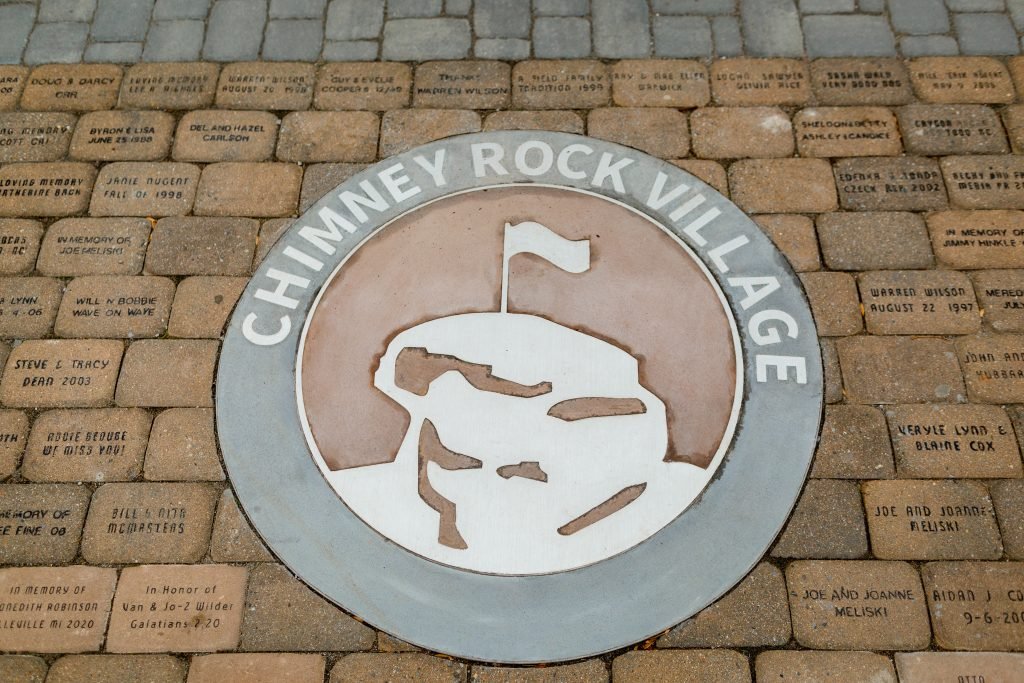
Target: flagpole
{"points": [[504, 270]]}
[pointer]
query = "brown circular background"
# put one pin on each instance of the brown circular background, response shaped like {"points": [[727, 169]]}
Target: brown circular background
{"points": [[643, 292]]}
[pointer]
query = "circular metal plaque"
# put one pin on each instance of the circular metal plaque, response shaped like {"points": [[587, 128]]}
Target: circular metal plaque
{"points": [[520, 396]]}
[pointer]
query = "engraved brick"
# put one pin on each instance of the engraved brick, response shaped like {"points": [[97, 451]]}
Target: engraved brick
{"points": [[94, 246], [248, 189], [753, 614], [40, 524], [115, 307], [919, 302], [899, 370], [857, 605], [785, 665], [985, 182], [19, 245], [560, 121], [934, 129], [834, 303], [72, 87], [874, 240], [724, 666], [860, 81], [48, 373], [12, 81], [65, 608], [23, 668], [281, 613], [44, 189], [167, 85], [1013, 121], [954, 667], [740, 132], [310, 136], [1001, 296], [371, 86], [202, 306], [977, 239], [795, 238], [129, 188], [961, 80], [846, 132], [782, 185], [828, 522], [225, 136], [13, 433], [167, 373], [590, 671], [1008, 498], [975, 605], [462, 85], [397, 668], [202, 246], [854, 444], [401, 130], [266, 85], [182, 447], [134, 523], [233, 539], [884, 184], [317, 181], [117, 669], [269, 667], [554, 84], [660, 132], [104, 444], [711, 172], [122, 136], [207, 615], [28, 306], [993, 367], [35, 136], [746, 81], [660, 83]]}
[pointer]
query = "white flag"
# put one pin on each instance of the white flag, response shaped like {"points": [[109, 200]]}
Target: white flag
{"points": [[533, 238]]}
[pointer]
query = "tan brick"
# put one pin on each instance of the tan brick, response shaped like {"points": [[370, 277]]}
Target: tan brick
{"points": [[103, 444], [94, 246], [248, 189], [266, 85], [746, 81], [953, 667], [272, 230], [12, 81], [847, 132], [44, 189], [711, 172], [961, 80], [122, 136], [168, 373], [310, 136], [72, 87], [182, 447], [984, 182], [890, 184], [857, 605], [782, 185], [128, 188], [73, 621], [281, 613], [268, 667], [202, 306], [919, 302], [469, 84], [51, 536], [225, 136], [842, 667], [740, 132], [834, 303], [28, 306], [660, 83], [13, 433], [317, 181], [724, 666], [401, 130], [977, 239], [993, 367], [202, 246], [860, 81], [560, 84], [590, 671], [953, 441], [661, 132], [795, 238], [371, 86], [397, 668], [561, 121], [874, 240], [975, 605], [899, 370], [1008, 499], [386, 643], [1000, 294], [115, 306], [166, 85], [1013, 121], [854, 444], [117, 669], [828, 522], [1016, 68], [933, 129], [218, 609], [832, 371], [22, 668], [233, 539], [19, 245], [49, 373], [753, 614], [35, 136]]}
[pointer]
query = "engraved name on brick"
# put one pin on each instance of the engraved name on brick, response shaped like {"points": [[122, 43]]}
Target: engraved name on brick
{"points": [[48, 373], [978, 239], [660, 83], [44, 189], [72, 87], [1001, 295], [462, 85], [169, 86], [12, 80], [262, 85], [952, 80], [553, 84], [41, 523], [122, 136], [951, 129], [225, 136], [898, 184], [746, 81], [19, 245], [115, 307], [860, 81], [13, 430], [958, 667], [846, 132], [34, 137], [144, 189], [985, 182], [94, 246], [993, 367], [919, 302], [976, 605], [372, 86], [28, 306]]}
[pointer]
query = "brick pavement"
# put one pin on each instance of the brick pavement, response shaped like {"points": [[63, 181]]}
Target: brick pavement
{"points": [[134, 204]]}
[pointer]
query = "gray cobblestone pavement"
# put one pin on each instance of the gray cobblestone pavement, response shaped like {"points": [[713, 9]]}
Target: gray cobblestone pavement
{"points": [[42, 31]]}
